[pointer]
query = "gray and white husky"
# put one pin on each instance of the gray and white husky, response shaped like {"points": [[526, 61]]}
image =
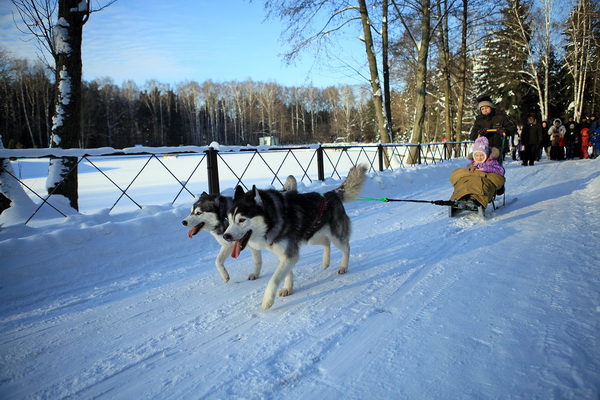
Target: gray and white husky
{"points": [[282, 222], [209, 212]]}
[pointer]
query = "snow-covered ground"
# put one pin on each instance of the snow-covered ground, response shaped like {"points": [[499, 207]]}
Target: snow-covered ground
{"points": [[126, 306]]}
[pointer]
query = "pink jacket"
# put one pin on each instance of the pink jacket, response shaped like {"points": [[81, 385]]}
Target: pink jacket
{"points": [[491, 165]]}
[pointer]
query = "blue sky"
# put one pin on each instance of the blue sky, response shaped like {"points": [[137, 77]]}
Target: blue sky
{"points": [[196, 40]]}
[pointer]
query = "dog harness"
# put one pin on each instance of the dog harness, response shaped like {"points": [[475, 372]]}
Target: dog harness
{"points": [[322, 207]]}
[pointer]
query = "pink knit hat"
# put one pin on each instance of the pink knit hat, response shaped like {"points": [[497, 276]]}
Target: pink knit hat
{"points": [[482, 145]]}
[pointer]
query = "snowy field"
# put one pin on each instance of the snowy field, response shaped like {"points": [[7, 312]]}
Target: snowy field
{"points": [[126, 306]]}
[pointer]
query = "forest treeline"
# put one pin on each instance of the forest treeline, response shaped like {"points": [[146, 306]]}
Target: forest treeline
{"points": [[157, 114]]}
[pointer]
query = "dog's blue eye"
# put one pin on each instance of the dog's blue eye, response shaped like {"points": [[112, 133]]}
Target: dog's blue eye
{"points": [[198, 212]]}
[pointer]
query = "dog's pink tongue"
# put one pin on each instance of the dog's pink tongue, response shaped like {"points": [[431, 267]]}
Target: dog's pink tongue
{"points": [[237, 249], [192, 232]]}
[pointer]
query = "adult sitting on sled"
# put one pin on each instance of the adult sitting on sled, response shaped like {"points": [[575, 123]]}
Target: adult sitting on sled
{"points": [[481, 179], [491, 123]]}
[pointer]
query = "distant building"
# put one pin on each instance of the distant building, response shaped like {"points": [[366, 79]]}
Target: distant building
{"points": [[267, 138]]}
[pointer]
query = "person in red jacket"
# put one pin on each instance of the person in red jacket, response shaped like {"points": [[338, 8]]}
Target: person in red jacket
{"points": [[585, 143]]}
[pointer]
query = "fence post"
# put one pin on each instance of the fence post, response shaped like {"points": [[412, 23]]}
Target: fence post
{"points": [[212, 171], [380, 156], [320, 166]]}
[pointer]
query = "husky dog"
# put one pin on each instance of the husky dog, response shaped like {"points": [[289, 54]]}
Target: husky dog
{"points": [[210, 212], [282, 222]]}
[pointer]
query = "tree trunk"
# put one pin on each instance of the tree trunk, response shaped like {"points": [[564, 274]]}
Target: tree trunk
{"points": [[462, 74], [421, 84], [62, 174], [445, 58], [387, 95], [375, 85]]}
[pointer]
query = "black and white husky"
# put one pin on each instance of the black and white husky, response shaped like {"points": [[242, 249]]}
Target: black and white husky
{"points": [[282, 222], [209, 212]]}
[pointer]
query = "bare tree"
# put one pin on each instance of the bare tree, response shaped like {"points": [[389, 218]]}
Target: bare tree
{"points": [[583, 34], [338, 14], [421, 41], [376, 88], [462, 70], [58, 27], [445, 57]]}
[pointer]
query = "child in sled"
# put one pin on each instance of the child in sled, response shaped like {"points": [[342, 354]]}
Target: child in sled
{"points": [[482, 178]]}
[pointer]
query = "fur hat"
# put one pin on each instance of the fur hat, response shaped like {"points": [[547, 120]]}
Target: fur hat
{"points": [[482, 145], [559, 121], [485, 101]]}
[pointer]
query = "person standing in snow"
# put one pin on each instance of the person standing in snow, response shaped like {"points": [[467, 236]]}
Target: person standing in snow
{"points": [[595, 140], [482, 178], [572, 140], [585, 143], [594, 123], [546, 143], [530, 140], [557, 136], [515, 143], [491, 118]]}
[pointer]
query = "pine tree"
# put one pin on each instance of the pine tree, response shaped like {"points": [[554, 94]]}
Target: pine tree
{"points": [[500, 65]]}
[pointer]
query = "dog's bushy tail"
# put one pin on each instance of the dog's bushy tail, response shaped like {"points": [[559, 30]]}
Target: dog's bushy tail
{"points": [[290, 184], [352, 186]]}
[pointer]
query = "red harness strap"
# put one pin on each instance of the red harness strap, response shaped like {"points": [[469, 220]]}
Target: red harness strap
{"points": [[321, 210]]}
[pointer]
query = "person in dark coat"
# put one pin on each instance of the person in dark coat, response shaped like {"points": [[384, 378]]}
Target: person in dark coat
{"points": [[492, 118], [546, 143], [594, 123], [572, 140], [531, 139]]}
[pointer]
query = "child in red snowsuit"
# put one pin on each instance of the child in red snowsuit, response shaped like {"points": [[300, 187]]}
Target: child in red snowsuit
{"points": [[585, 142]]}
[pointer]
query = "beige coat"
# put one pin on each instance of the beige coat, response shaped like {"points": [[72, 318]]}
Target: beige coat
{"points": [[478, 184]]}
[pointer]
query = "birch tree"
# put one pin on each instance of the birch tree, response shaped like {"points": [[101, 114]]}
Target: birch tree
{"points": [[534, 28], [582, 31], [58, 27]]}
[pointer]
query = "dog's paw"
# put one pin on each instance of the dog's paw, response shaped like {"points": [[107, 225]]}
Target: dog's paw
{"points": [[342, 270], [267, 303], [226, 278], [285, 292], [325, 266], [252, 277]]}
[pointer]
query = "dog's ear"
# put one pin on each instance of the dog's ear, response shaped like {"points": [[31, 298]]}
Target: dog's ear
{"points": [[204, 194], [239, 192], [256, 195]]}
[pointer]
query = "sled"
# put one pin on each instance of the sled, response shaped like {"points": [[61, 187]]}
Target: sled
{"points": [[466, 205], [472, 207]]}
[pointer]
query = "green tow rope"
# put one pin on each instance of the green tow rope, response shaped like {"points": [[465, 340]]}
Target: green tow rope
{"points": [[386, 200]]}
